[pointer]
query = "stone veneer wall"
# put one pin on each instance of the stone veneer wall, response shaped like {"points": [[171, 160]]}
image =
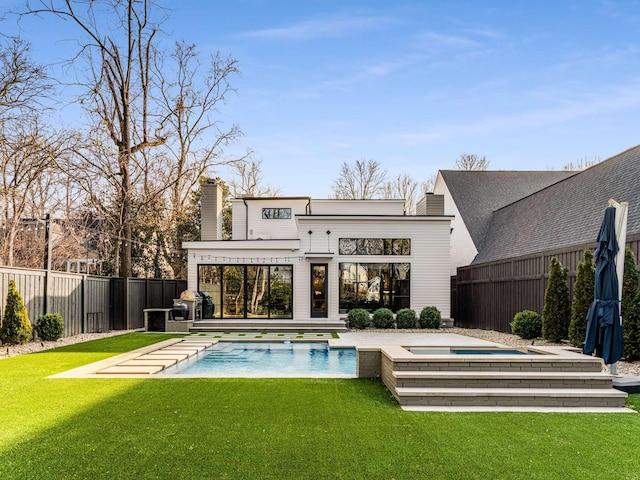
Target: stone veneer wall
{"points": [[368, 362]]}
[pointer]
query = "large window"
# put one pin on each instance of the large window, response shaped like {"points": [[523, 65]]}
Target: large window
{"points": [[374, 246], [277, 213], [374, 285], [248, 291]]}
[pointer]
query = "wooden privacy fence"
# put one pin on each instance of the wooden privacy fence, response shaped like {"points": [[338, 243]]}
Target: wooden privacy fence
{"points": [[87, 303], [488, 295]]}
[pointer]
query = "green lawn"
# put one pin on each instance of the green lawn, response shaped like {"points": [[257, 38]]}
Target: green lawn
{"points": [[278, 428]]}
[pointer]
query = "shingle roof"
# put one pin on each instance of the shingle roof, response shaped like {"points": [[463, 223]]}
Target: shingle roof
{"points": [[566, 213], [478, 194]]}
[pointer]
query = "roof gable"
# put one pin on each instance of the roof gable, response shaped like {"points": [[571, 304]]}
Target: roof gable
{"points": [[478, 193], [566, 213]]}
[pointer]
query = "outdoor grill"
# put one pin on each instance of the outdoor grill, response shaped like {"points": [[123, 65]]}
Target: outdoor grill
{"points": [[190, 305], [179, 310], [208, 307]]}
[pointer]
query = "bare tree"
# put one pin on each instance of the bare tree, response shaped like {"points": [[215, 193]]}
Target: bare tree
{"points": [[23, 83], [193, 97], [248, 180], [581, 164], [121, 86], [28, 151], [404, 187], [471, 161], [429, 184], [361, 181]]}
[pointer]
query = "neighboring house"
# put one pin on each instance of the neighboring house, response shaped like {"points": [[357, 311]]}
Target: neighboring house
{"points": [[516, 241], [472, 196], [300, 258]]}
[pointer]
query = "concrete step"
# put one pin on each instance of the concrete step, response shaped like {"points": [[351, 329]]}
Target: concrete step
{"points": [[268, 325], [529, 364], [514, 397], [499, 379]]}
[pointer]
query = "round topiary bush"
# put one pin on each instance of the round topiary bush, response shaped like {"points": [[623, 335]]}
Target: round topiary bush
{"points": [[383, 318], [430, 317], [527, 324], [50, 327], [358, 318], [16, 327], [406, 318]]}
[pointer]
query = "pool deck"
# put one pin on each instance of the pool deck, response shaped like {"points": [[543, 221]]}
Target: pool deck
{"points": [[376, 339]]}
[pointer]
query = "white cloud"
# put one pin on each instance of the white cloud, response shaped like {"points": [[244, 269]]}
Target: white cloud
{"points": [[437, 40], [328, 27]]}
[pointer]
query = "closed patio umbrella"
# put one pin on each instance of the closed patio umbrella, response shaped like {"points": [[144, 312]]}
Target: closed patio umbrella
{"points": [[604, 327]]}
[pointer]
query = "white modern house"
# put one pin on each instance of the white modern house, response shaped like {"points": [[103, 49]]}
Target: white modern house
{"points": [[299, 259]]}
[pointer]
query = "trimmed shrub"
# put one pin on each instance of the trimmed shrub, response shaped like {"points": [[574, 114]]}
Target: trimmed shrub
{"points": [[527, 324], [556, 314], [631, 330], [358, 318], [582, 299], [406, 318], [630, 305], [16, 327], [430, 317], [383, 318], [50, 326]]}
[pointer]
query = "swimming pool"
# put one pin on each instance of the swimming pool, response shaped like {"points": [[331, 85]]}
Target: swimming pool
{"points": [[268, 359], [473, 351]]}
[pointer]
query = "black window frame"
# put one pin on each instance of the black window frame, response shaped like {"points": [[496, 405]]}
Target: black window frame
{"points": [[374, 246], [277, 213]]}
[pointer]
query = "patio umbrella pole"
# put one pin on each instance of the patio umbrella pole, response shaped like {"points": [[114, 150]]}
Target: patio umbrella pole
{"points": [[621, 234]]}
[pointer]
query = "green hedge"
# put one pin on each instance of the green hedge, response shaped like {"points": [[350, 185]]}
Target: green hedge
{"points": [[527, 324], [430, 317], [50, 327], [406, 318], [358, 318], [383, 318]]}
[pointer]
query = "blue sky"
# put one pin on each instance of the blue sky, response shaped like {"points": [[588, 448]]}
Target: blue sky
{"points": [[413, 84]]}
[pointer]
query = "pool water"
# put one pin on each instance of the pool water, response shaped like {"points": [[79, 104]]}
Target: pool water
{"points": [[268, 359], [472, 351]]}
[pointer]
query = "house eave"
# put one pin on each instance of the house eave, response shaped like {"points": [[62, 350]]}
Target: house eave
{"points": [[231, 245]]}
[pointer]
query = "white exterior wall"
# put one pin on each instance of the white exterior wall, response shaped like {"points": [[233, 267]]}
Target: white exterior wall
{"points": [[357, 207], [238, 219], [430, 279], [274, 228], [429, 258], [463, 250]]}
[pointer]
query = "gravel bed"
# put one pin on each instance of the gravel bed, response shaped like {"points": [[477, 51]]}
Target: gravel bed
{"points": [[631, 368]]}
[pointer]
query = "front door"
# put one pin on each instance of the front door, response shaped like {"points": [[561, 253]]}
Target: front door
{"points": [[319, 290]]}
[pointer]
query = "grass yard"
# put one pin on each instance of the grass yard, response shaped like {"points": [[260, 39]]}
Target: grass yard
{"points": [[278, 429]]}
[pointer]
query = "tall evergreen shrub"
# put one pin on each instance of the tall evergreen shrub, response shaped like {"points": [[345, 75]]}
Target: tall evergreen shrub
{"points": [[582, 299], [556, 314], [630, 305], [16, 327]]}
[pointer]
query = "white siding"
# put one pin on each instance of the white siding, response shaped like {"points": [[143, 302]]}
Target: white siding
{"points": [[429, 259], [238, 219], [357, 207], [463, 250], [257, 227], [430, 279]]}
